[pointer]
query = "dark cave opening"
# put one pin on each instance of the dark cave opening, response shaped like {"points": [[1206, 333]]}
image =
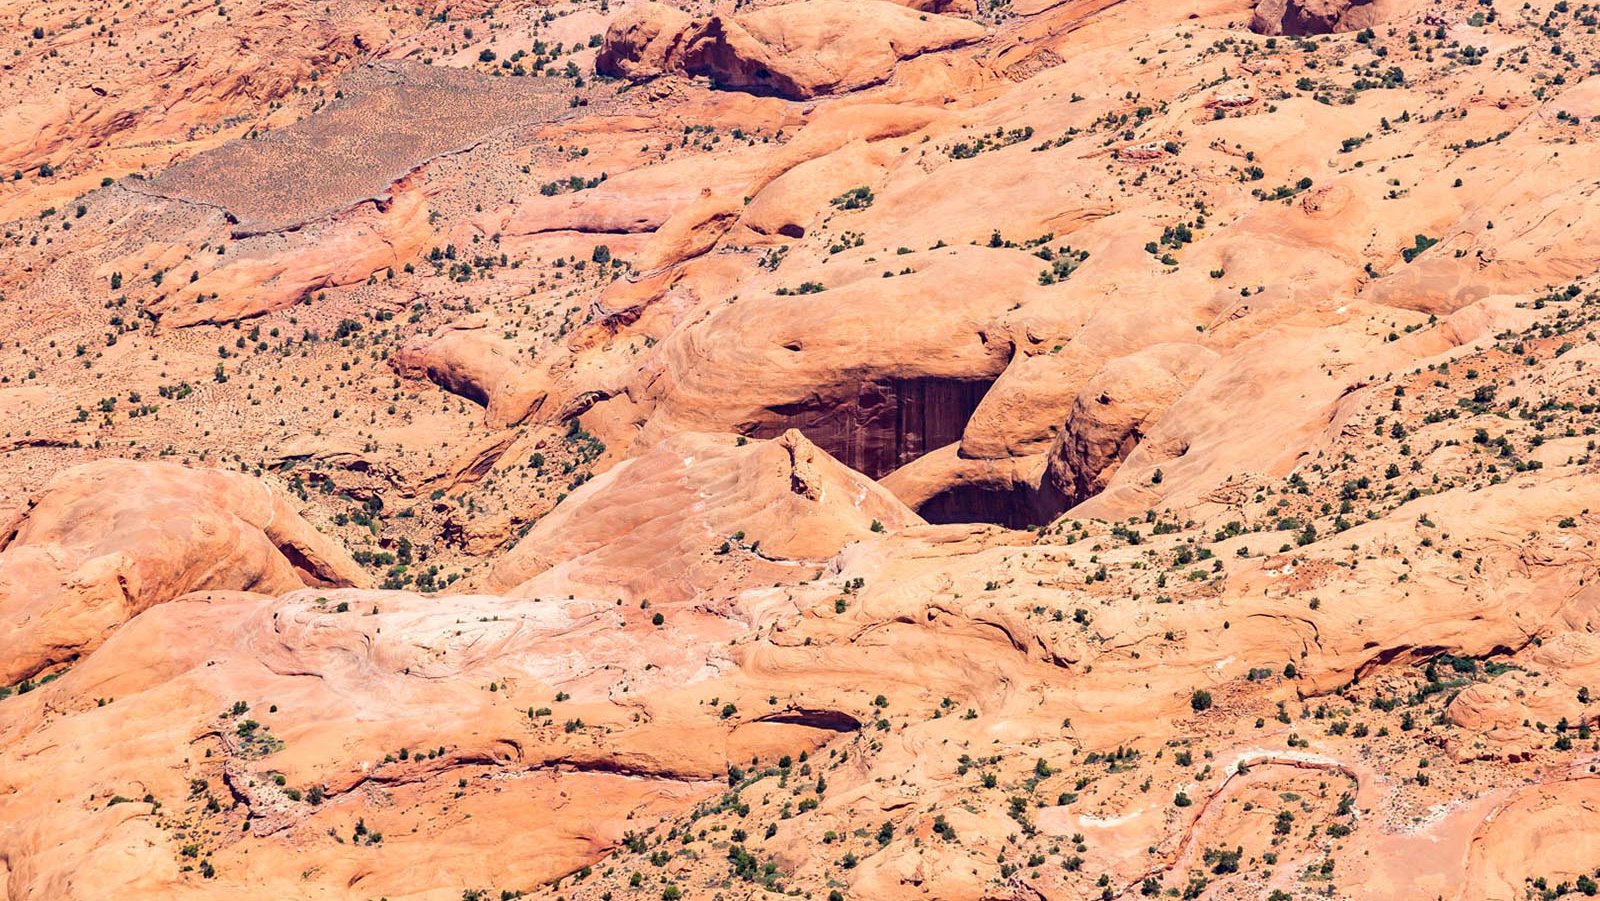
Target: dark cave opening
{"points": [[1020, 506], [890, 423], [886, 425]]}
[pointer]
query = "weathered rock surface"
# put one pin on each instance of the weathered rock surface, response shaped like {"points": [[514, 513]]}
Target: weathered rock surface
{"points": [[1309, 17], [695, 514], [846, 367], [105, 541], [471, 359], [1076, 449], [793, 50], [1115, 410]]}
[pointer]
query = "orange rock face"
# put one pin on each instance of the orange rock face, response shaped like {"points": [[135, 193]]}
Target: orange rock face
{"points": [[468, 359], [794, 50], [106, 541], [1113, 410], [665, 524], [799, 448], [1298, 18]]}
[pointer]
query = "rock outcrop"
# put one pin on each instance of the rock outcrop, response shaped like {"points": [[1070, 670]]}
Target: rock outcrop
{"points": [[105, 541], [808, 449], [474, 358], [871, 386], [794, 50], [697, 514], [1114, 412], [1310, 17]]}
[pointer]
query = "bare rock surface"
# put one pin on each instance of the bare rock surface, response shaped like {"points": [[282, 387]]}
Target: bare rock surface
{"points": [[794, 50], [665, 524], [1299, 18], [468, 358], [106, 541], [1046, 449]]}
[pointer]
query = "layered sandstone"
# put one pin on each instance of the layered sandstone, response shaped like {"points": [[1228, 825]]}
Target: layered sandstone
{"points": [[879, 450], [106, 541], [794, 50]]}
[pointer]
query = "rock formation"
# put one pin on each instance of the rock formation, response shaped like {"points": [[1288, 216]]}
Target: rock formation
{"points": [[469, 359], [1298, 18], [665, 525], [793, 50], [1115, 410], [1043, 449], [105, 541]]}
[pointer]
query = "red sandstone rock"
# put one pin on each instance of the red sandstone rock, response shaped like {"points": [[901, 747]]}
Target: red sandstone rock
{"points": [[470, 359], [105, 541], [797, 50]]}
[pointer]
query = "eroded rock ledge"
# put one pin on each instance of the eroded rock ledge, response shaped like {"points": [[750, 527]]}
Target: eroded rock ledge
{"points": [[797, 51]]}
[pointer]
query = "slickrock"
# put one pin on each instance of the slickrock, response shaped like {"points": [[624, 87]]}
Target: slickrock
{"points": [[1300, 17], [792, 50], [664, 525], [468, 358], [1115, 410], [105, 541], [1038, 449]]}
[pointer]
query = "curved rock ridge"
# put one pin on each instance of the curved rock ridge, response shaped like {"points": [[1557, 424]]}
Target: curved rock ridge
{"points": [[105, 541], [1037, 449], [469, 359], [1115, 411], [697, 513], [793, 50]]}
